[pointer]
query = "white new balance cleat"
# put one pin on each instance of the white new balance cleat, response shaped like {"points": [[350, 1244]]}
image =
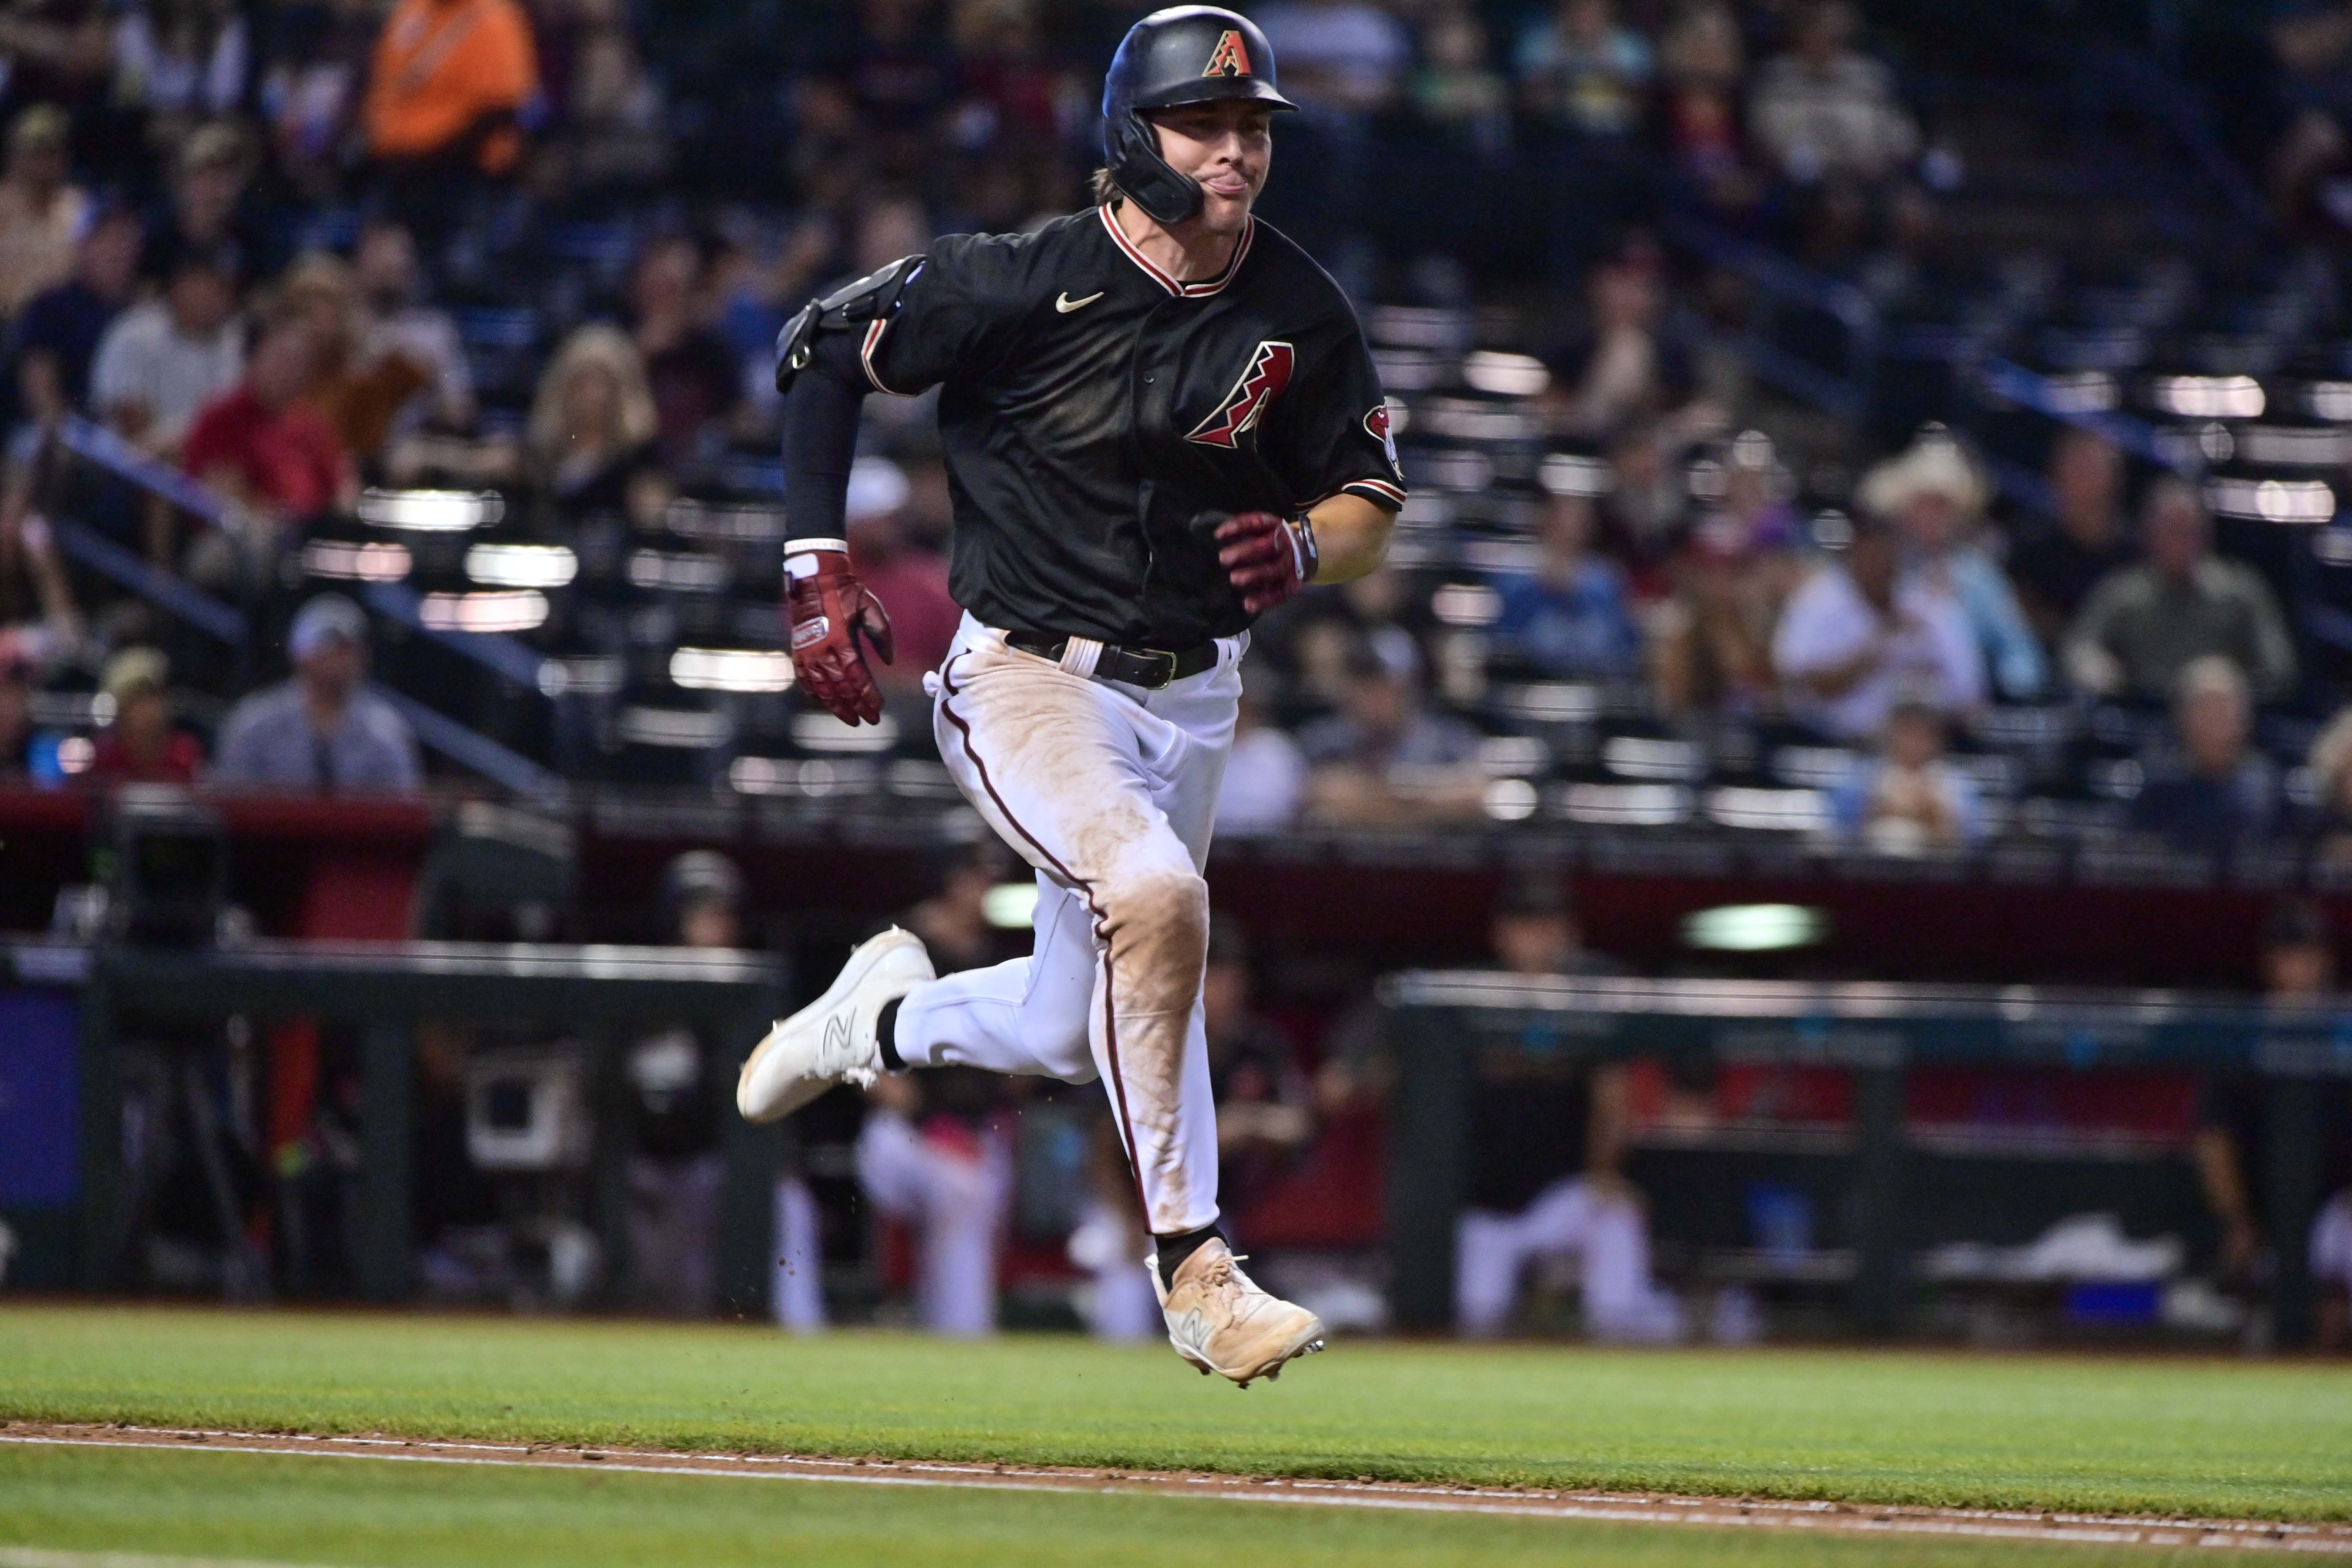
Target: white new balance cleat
{"points": [[832, 1041], [1221, 1322]]}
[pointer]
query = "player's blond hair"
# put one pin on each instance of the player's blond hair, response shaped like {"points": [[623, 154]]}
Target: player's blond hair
{"points": [[1105, 186]]}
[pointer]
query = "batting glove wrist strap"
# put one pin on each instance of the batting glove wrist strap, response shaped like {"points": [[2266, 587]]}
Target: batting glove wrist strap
{"points": [[828, 610]]}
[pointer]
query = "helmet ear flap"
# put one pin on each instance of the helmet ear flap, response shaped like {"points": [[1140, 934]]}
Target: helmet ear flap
{"points": [[1144, 175]]}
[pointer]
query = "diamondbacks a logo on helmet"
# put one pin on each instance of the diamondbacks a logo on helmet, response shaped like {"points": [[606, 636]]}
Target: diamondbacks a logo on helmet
{"points": [[1268, 373], [1232, 57], [1376, 425]]}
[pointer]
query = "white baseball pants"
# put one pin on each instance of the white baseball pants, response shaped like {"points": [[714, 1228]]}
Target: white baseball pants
{"points": [[1109, 792], [1605, 1233], [956, 1205]]}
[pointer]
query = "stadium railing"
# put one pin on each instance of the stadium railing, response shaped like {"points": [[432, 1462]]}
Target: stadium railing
{"points": [[1444, 1024], [598, 993]]}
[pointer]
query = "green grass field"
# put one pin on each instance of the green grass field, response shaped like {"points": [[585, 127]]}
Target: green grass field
{"points": [[2207, 1437]]}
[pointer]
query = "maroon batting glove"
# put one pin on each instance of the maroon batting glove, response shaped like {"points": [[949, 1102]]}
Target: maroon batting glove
{"points": [[1267, 558], [828, 610]]}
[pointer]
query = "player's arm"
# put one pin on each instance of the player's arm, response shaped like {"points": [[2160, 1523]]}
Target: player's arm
{"points": [[824, 368], [1334, 442], [1351, 537]]}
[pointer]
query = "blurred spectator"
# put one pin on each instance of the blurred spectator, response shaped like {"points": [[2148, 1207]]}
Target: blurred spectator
{"points": [[952, 1181], [1264, 1105], [615, 126], [1702, 60], [1858, 637], [1934, 496], [591, 429], [1569, 616], [1622, 369], [1547, 1136], [1646, 512], [28, 755], [1909, 799], [40, 215], [311, 78], [358, 395], [2232, 1147], [911, 583], [263, 446], [689, 370], [63, 326], [141, 744], [2218, 790], [161, 362], [399, 323], [1825, 111], [1456, 87], [447, 82], [674, 1075], [1266, 773], [179, 61], [205, 217], [1584, 69], [1711, 648], [2331, 785], [1345, 55], [2085, 541], [59, 51], [1382, 759], [953, 921], [2143, 625], [324, 730]]}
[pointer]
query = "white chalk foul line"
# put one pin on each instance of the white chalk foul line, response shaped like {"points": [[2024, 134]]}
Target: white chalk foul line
{"points": [[39, 1557], [1970, 1523]]}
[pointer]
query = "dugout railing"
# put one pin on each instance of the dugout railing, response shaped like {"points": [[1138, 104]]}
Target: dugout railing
{"points": [[597, 995], [1446, 1027]]}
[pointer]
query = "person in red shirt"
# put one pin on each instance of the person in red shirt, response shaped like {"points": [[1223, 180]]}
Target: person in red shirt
{"points": [[263, 446], [911, 582], [141, 745]]}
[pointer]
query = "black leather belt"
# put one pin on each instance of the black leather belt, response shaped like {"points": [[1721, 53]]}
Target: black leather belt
{"points": [[1150, 668]]}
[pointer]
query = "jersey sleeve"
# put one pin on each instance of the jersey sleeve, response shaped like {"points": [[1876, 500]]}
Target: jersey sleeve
{"points": [[1334, 437], [952, 317]]}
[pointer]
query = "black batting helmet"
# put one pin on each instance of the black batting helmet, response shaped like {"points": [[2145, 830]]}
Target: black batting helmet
{"points": [[1185, 53]]}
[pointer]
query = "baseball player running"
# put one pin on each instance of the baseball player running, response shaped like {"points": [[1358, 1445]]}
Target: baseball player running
{"points": [[1160, 420]]}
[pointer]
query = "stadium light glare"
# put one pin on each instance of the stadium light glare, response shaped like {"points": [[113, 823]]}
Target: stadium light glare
{"points": [[2209, 397], [2272, 500], [1505, 374], [1009, 906], [1755, 928], [520, 565], [730, 669], [334, 558], [431, 511], [497, 610]]}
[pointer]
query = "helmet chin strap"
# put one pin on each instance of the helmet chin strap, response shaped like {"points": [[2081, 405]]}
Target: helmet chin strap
{"points": [[1146, 178]]}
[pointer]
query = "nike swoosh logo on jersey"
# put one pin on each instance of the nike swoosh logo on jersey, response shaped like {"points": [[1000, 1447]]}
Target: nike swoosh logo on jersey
{"points": [[1064, 304]]}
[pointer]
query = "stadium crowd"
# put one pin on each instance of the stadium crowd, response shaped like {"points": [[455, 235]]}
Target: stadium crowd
{"points": [[266, 268]]}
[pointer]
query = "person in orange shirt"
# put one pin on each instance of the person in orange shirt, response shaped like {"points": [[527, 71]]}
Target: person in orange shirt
{"points": [[446, 82]]}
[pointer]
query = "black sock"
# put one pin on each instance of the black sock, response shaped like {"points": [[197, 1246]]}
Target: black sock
{"points": [[1173, 1249], [886, 1028]]}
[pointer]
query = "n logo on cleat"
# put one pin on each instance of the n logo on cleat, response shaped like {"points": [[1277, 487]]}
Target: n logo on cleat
{"points": [[1268, 373], [836, 1035]]}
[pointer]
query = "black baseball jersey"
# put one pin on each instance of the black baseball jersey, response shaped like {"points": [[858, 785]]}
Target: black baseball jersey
{"points": [[1099, 418]]}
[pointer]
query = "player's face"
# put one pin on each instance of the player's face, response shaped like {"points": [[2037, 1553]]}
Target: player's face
{"points": [[1226, 146]]}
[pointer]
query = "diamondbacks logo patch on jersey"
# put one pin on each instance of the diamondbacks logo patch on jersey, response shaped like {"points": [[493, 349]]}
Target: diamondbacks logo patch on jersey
{"points": [[1376, 424], [1231, 58], [1268, 373]]}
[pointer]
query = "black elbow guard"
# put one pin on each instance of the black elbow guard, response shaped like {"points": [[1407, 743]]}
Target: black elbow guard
{"points": [[850, 308]]}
